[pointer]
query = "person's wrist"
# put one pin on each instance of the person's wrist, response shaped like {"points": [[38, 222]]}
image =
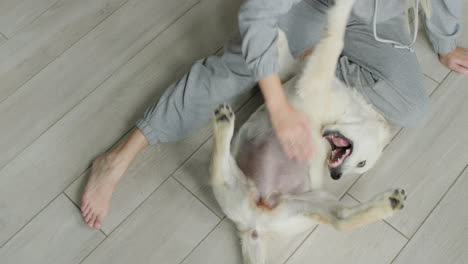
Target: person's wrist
{"points": [[443, 55], [277, 106]]}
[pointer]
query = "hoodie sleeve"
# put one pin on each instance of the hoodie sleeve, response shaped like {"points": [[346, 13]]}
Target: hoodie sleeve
{"points": [[443, 26], [258, 27]]}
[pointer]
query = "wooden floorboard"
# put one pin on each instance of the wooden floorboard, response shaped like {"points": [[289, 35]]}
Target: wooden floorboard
{"points": [[16, 14], [41, 42], [164, 229], [223, 246], [44, 99], [443, 238], [3, 39], [54, 92], [56, 236]]}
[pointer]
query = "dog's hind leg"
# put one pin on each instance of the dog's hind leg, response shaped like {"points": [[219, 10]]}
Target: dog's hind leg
{"points": [[319, 70], [382, 206], [324, 208]]}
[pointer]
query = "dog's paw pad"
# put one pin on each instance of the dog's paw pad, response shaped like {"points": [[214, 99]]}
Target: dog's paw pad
{"points": [[224, 113], [397, 198]]}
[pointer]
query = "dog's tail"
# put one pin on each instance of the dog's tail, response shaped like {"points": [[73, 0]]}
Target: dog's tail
{"points": [[253, 247]]}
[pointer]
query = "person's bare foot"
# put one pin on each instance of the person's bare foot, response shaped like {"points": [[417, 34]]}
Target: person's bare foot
{"points": [[106, 172]]}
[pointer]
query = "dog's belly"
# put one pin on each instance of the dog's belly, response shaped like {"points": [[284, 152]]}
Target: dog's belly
{"points": [[274, 174]]}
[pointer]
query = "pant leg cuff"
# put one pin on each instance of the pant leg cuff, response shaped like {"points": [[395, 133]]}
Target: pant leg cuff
{"points": [[147, 131]]}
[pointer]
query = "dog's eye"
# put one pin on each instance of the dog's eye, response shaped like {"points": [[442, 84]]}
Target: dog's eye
{"points": [[361, 164]]}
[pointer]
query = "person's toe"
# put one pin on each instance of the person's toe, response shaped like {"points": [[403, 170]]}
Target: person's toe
{"points": [[88, 216], [92, 221], [98, 222], [84, 205], [85, 210]]}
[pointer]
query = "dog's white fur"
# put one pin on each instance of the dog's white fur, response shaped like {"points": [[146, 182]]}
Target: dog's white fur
{"points": [[330, 106]]}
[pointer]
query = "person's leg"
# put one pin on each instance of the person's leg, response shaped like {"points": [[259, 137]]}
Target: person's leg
{"points": [[186, 105], [106, 172], [390, 78]]}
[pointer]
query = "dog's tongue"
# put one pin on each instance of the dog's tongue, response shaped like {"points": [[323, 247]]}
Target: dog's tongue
{"points": [[339, 142]]}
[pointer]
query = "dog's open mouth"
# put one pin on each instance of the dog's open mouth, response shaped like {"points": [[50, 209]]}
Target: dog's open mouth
{"points": [[341, 147]]}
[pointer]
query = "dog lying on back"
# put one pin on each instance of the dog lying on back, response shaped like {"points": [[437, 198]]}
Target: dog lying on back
{"points": [[263, 191]]}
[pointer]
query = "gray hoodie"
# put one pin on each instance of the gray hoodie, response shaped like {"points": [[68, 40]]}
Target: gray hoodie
{"points": [[258, 22]]}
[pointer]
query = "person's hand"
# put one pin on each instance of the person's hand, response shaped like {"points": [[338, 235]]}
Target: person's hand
{"points": [[292, 128], [456, 60]]}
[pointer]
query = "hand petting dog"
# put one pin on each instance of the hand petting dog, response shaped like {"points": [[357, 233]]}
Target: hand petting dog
{"points": [[290, 124]]}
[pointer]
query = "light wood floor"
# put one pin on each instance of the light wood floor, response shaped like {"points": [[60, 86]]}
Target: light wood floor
{"points": [[76, 75]]}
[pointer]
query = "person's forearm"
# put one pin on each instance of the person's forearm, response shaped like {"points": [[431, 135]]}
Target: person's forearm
{"points": [[290, 125], [273, 93]]}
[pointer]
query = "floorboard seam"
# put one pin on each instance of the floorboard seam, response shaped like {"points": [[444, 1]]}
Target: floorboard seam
{"points": [[430, 213], [34, 20], [32, 218], [98, 85], [394, 228], [99, 244], [383, 220], [201, 241], [79, 209], [59, 55], [300, 245], [174, 178], [432, 79], [3, 35]]}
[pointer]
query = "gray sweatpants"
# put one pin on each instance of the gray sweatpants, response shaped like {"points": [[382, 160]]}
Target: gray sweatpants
{"points": [[389, 78]]}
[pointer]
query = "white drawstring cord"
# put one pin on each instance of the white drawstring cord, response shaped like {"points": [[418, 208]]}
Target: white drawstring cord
{"points": [[396, 44]]}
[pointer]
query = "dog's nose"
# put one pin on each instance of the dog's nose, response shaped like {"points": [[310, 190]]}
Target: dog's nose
{"points": [[336, 175]]}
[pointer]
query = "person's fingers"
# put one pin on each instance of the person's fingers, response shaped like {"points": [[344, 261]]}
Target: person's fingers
{"points": [[287, 147], [308, 150], [463, 62], [294, 148], [459, 68], [308, 147], [300, 155], [304, 148], [302, 151]]}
